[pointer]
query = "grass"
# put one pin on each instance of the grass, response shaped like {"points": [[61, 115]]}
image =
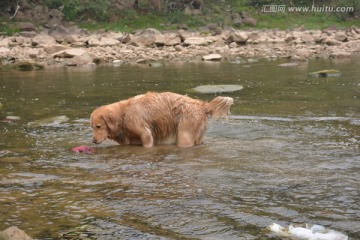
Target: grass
{"points": [[308, 21], [162, 21], [8, 28], [130, 20], [169, 21]]}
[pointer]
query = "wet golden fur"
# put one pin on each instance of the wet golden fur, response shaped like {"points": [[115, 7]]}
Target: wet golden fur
{"points": [[157, 118]]}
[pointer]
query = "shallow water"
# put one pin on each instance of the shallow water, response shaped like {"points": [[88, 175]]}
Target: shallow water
{"points": [[289, 154]]}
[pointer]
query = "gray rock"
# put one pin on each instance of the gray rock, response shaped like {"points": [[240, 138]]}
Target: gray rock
{"points": [[50, 49], [332, 42], [236, 19], [339, 53], [212, 57], [292, 64], [200, 41], [28, 34], [70, 53], [118, 62], [237, 36], [27, 27], [148, 37], [249, 21], [212, 89], [341, 37], [28, 66], [14, 233], [155, 64], [326, 73], [171, 38]]}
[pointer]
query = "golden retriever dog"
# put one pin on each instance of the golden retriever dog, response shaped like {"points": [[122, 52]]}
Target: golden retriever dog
{"points": [[157, 118]]}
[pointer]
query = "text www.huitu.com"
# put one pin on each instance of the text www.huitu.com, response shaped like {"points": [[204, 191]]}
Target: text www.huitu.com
{"points": [[314, 9]]}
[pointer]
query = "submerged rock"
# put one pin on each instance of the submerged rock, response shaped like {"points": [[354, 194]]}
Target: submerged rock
{"points": [[291, 64], [14, 233], [28, 66], [118, 62], [49, 122], [155, 64], [211, 89], [326, 73]]}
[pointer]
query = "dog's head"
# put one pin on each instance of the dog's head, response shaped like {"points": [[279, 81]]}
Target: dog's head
{"points": [[103, 122]]}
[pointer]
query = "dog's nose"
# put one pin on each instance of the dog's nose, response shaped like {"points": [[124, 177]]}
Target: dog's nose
{"points": [[95, 141]]}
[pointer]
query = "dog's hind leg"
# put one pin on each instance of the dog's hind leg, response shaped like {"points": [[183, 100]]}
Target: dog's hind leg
{"points": [[185, 138]]}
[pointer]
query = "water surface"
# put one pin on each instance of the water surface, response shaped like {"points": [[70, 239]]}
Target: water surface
{"points": [[288, 154]]}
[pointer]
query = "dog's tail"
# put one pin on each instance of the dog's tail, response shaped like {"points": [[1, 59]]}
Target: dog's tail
{"points": [[219, 107]]}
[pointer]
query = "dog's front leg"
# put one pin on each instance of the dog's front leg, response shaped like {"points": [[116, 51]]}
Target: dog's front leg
{"points": [[147, 139]]}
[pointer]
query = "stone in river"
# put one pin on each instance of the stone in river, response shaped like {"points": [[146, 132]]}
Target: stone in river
{"points": [[49, 122], [291, 64], [211, 89], [326, 73], [212, 57], [13, 233]]}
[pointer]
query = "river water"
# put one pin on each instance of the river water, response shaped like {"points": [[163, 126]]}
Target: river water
{"points": [[289, 154]]}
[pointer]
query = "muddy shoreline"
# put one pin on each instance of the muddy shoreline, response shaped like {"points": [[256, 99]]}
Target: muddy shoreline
{"points": [[36, 49]]}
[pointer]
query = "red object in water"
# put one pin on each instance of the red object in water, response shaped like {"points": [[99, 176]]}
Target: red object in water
{"points": [[83, 149]]}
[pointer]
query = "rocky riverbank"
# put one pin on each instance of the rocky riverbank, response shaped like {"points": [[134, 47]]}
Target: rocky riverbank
{"points": [[32, 48]]}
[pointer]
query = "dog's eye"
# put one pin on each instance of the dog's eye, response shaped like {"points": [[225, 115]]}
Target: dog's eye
{"points": [[98, 126]]}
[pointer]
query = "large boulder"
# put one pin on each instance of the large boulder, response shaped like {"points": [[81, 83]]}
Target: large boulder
{"points": [[185, 34], [236, 19], [70, 53], [43, 39], [26, 26], [122, 4], [332, 42], [307, 38], [5, 42], [249, 21], [339, 53], [55, 18], [171, 38], [237, 36], [341, 37], [300, 54], [50, 49], [196, 41], [75, 57], [102, 42], [148, 37]]}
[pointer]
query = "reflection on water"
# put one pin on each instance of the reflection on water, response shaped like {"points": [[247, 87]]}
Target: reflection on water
{"points": [[288, 154]]}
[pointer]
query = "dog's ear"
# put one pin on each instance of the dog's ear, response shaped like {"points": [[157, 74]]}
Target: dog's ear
{"points": [[110, 120]]}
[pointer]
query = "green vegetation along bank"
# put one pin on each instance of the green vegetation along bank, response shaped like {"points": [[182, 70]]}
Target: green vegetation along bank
{"points": [[130, 15]]}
